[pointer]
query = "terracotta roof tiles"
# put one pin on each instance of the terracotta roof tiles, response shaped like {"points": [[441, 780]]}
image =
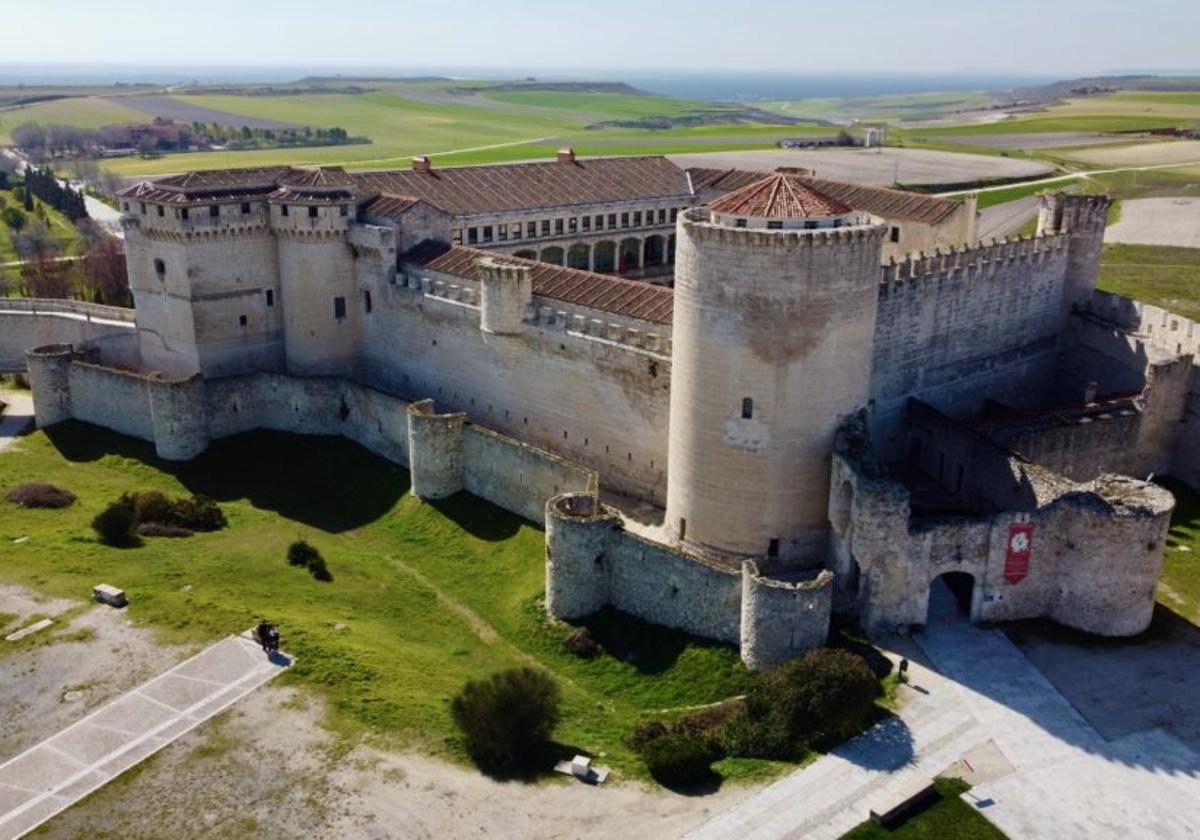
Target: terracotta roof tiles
{"points": [[604, 292], [779, 196]]}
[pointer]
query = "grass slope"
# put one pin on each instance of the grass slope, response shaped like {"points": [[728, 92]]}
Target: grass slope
{"points": [[1179, 587], [430, 595], [1156, 274], [945, 817], [63, 230]]}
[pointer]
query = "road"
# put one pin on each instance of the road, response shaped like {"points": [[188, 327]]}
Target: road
{"points": [[1049, 774], [1071, 176], [103, 215]]}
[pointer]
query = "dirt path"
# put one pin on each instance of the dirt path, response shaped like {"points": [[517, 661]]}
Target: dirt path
{"points": [[17, 417]]}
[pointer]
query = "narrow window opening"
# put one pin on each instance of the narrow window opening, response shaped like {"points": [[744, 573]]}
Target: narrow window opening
{"points": [[214, 211], [241, 320], [682, 528], [895, 236], [773, 547], [160, 268], [312, 212], [270, 297], [245, 208], [747, 408], [339, 308], [367, 300], [183, 214], [283, 210]]}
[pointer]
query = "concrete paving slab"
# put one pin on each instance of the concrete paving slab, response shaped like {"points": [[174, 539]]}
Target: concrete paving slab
{"points": [[59, 771]]}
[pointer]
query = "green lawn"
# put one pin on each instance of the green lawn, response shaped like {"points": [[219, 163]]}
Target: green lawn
{"points": [[1179, 586], [946, 818], [1156, 274], [431, 595], [63, 230]]}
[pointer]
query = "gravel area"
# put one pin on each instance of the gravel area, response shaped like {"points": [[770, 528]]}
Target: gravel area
{"points": [[875, 166], [268, 768], [1143, 154], [1158, 221]]}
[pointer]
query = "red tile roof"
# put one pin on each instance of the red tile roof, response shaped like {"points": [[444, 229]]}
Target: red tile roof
{"points": [[880, 201], [584, 288], [779, 196], [526, 186]]}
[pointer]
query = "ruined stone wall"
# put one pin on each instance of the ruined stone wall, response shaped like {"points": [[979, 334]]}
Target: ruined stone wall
{"points": [[25, 324], [956, 329], [1096, 553]]}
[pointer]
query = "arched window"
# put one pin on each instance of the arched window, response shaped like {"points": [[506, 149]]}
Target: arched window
{"points": [[747, 408]]}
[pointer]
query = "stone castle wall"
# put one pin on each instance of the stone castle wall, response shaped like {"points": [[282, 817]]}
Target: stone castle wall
{"points": [[26, 323], [958, 328], [592, 561], [589, 386], [1097, 547]]}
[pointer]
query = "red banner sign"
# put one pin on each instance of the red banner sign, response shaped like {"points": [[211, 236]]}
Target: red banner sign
{"points": [[1020, 547]]}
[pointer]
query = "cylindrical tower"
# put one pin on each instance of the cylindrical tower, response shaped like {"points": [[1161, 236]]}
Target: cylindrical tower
{"points": [[776, 287]]}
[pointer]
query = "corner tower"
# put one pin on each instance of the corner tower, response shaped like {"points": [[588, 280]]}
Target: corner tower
{"points": [[776, 288]]}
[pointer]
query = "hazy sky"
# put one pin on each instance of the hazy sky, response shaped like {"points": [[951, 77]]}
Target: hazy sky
{"points": [[1023, 36]]}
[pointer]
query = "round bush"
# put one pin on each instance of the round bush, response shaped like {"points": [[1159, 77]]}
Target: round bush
{"points": [[40, 496], [152, 506], [810, 698], [115, 523], [300, 553], [678, 760], [508, 719]]}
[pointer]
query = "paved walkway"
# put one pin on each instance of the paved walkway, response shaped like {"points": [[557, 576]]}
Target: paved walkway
{"points": [[17, 417], [47, 778], [1067, 782]]}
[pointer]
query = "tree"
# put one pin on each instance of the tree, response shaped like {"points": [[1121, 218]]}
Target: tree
{"points": [[114, 525], [13, 218], [508, 719], [104, 273], [29, 136]]}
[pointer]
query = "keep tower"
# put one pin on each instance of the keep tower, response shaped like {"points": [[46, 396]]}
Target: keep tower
{"points": [[776, 289]]}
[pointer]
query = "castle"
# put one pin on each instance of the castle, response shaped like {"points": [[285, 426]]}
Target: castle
{"points": [[741, 404]]}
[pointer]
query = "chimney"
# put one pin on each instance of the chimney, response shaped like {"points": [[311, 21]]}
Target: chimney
{"points": [[421, 163], [566, 155]]}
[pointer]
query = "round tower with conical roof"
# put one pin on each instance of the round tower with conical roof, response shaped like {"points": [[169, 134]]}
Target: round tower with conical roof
{"points": [[776, 286]]}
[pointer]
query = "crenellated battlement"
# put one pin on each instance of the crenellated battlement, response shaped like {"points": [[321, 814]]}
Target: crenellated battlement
{"points": [[980, 261], [699, 224]]}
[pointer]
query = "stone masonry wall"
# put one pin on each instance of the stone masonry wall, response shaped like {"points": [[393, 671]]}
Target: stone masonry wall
{"points": [[25, 324], [1096, 553], [592, 561], [956, 329]]}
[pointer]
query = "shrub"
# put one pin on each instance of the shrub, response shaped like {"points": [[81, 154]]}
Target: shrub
{"points": [[811, 698], [678, 760], [582, 644], [508, 719], [157, 529], [644, 733], [152, 507], [116, 522], [40, 496], [199, 513], [300, 552]]}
